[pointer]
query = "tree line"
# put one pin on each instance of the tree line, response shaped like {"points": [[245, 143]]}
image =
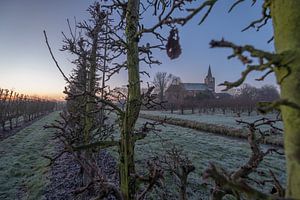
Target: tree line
{"points": [[244, 101], [15, 107]]}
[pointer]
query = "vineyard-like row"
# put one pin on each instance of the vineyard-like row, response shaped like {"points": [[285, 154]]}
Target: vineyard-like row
{"points": [[15, 107]]}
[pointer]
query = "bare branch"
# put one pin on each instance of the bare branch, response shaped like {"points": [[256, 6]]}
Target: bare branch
{"points": [[264, 18], [56, 63], [265, 107]]}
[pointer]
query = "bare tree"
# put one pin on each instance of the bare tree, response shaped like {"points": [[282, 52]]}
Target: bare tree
{"points": [[15, 106], [268, 93], [83, 128], [162, 81], [248, 92]]}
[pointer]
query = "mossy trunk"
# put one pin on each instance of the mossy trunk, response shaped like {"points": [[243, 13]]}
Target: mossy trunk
{"points": [[286, 23], [127, 167]]}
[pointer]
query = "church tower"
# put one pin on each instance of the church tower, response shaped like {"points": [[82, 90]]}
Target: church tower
{"points": [[210, 80]]}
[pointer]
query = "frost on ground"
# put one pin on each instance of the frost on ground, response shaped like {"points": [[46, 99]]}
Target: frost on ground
{"points": [[201, 148], [218, 123], [20, 125], [219, 119], [65, 176], [22, 168], [24, 175]]}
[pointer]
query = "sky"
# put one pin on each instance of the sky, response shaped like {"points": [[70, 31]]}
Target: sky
{"points": [[26, 65]]}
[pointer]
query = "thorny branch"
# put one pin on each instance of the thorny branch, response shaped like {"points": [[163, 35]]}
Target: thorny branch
{"points": [[235, 183], [266, 16], [266, 61]]}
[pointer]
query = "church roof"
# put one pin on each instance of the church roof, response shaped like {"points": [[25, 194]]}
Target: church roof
{"points": [[195, 86], [209, 72], [173, 88]]}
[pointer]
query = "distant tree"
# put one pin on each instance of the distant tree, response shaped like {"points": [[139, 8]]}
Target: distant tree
{"points": [[14, 106], [176, 80], [268, 93], [175, 94], [161, 82], [248, 92], [265, 93]]}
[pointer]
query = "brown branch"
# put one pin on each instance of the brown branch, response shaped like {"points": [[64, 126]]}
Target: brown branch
{"points": [[265, 75], [265, 107], [53, 159], [239, 50], [279, 189], [264, 18], [56, 63], [182, 21], [235, 4], [236, 185], [101, 144], [266, 60]]}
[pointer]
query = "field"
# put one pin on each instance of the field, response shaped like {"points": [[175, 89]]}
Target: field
{"points": [[201, 148], [24, 172], [218, 119], [218, 123]]}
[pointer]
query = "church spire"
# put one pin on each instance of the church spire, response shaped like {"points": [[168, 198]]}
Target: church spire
{"points": [[210, 80], [209, 72]]}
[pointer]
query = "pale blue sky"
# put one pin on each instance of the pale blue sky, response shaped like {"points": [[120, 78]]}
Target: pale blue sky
{"points": [[26, 65]]}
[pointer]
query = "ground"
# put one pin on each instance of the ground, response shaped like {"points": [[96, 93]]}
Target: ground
{"points": [[218, 118], [24, 173], [203, 148], [23, 169]]}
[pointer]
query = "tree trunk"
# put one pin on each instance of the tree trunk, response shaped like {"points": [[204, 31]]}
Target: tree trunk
{"points": [[10, 124], [127, 166], [183, 184], [90, 102], [286, 24]]}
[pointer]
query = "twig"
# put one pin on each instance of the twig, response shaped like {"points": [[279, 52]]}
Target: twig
{"points": [[56, 63]]}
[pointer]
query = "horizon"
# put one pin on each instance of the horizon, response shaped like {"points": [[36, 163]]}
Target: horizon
{"points": [[33, 71]]}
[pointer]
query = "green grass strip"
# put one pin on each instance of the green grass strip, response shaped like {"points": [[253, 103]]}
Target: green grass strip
{"points": [[23, 170]]}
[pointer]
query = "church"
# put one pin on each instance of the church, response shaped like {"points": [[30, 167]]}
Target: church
{"points": [[179, 91]]}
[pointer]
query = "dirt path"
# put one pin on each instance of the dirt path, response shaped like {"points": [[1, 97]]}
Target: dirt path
{"points": [[23, 169]]}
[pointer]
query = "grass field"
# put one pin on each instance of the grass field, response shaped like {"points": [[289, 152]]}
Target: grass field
{"points": [[201, 148], [219, 119], [218, 123], [23, 170]]}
